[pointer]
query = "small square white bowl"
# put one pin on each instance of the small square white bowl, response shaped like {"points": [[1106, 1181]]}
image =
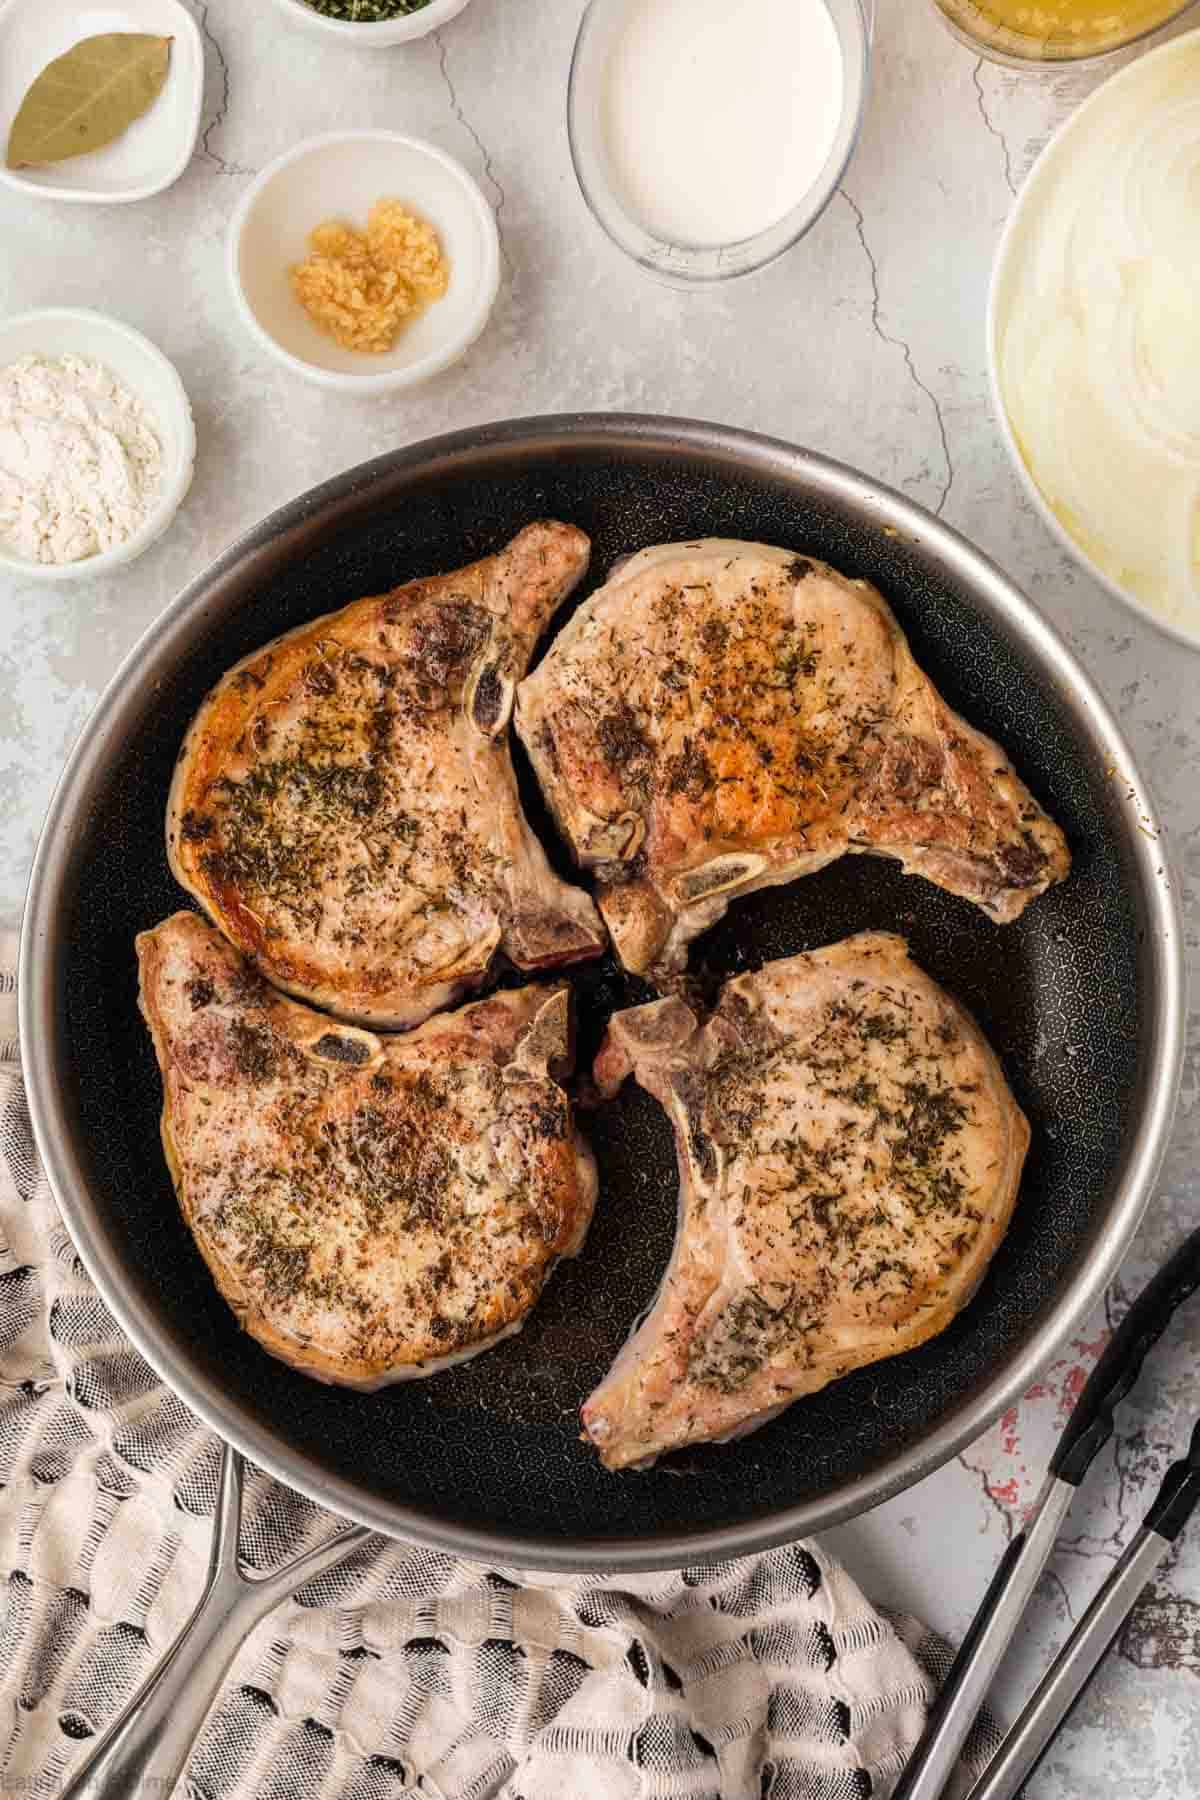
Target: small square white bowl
{"points": [[155, 150]]}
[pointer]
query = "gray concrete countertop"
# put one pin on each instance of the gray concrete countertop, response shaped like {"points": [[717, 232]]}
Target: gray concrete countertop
{"points": [[866, 343]]}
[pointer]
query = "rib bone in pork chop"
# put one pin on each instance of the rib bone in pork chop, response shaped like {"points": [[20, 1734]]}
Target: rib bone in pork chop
{"points": [[344, 807], [849, 1156], [371, 1209], [724, 716]]}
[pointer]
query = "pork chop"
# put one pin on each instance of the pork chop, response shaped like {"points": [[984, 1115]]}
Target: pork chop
{"points": [[344, 806], [370, 1208], [722, 716], [849, 1157]]}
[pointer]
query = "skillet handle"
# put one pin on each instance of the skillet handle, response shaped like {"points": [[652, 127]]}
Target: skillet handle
{"points": [[147, 1746]]}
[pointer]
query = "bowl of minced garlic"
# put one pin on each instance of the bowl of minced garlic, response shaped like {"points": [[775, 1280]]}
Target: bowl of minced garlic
{"points": [[365, 261]]}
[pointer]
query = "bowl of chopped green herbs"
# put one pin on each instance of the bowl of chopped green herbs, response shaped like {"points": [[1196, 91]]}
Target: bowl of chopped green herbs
{"points": [[372, 23]]}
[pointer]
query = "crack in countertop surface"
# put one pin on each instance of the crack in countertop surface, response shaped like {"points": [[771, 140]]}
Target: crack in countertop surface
{"points": [[489, 169], [222, 107], [901, 344], [993, 1500], [992, 128]]}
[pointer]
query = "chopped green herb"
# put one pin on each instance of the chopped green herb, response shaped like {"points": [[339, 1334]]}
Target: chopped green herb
{"points": [[366, 12]]}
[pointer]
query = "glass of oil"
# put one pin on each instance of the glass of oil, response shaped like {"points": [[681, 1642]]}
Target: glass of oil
{"points": [[1055, 31]]}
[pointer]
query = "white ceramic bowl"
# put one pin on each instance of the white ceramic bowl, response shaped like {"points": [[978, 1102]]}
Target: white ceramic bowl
{"points": [[156, 149], [380, 35], [341, 176], [59, 330], [1039, 179]]}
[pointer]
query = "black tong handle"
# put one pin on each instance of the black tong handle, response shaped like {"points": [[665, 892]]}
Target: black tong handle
{"points": [[1091, 1423], [1179, 1494]]}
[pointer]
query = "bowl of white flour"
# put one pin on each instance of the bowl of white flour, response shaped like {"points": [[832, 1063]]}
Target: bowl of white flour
{"points": [[97, 444]]}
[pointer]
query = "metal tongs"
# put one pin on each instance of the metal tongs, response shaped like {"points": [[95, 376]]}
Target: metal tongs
{"points": [[1088, 1430]]}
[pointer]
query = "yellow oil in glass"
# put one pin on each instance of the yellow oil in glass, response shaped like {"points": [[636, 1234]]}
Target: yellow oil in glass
{"points": [[1057, 30]]}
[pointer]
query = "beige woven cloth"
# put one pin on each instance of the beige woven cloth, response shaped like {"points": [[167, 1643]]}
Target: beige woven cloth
{"points": [[404, 1674]]}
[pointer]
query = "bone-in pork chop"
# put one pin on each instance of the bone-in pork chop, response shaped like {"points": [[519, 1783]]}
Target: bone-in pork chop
{"points": [[344, 807], [723, 716], [371, 1208], [849, 1156]]}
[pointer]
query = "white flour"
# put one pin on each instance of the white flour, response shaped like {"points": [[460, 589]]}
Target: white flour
{"points": [[80, 461]]}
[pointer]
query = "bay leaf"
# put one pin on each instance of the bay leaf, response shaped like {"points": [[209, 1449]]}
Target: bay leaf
{"points": [[88, 97]]}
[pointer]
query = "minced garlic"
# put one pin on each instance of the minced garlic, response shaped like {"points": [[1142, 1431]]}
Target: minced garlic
{"points": [[364, 289]]}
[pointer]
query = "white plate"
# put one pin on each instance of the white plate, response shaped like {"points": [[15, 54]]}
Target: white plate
{"points": [[341, 176], [60, 330], [1037, 185], [156, 149]]}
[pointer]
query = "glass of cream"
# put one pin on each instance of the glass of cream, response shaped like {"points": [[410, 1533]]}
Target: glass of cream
{"points": [[707, 136]]}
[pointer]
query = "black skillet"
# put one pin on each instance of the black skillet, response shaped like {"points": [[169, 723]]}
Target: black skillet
{"points": [[1081, 998]]}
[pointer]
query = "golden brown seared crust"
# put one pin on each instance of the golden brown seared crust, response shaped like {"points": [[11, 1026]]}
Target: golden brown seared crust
{"points": [[371, 1209], [849, 1158], [725, 716], [344, 806]]}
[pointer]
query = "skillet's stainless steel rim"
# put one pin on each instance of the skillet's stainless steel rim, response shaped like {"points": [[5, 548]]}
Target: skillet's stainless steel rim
{"points": [[321, 513]]}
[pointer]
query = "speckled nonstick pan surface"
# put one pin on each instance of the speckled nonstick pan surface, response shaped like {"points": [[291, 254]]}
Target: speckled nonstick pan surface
{"points": [[1081, 998]]}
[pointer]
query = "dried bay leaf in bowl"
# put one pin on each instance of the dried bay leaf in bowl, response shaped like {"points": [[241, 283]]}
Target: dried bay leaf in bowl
{"points": [[88, 97]]}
